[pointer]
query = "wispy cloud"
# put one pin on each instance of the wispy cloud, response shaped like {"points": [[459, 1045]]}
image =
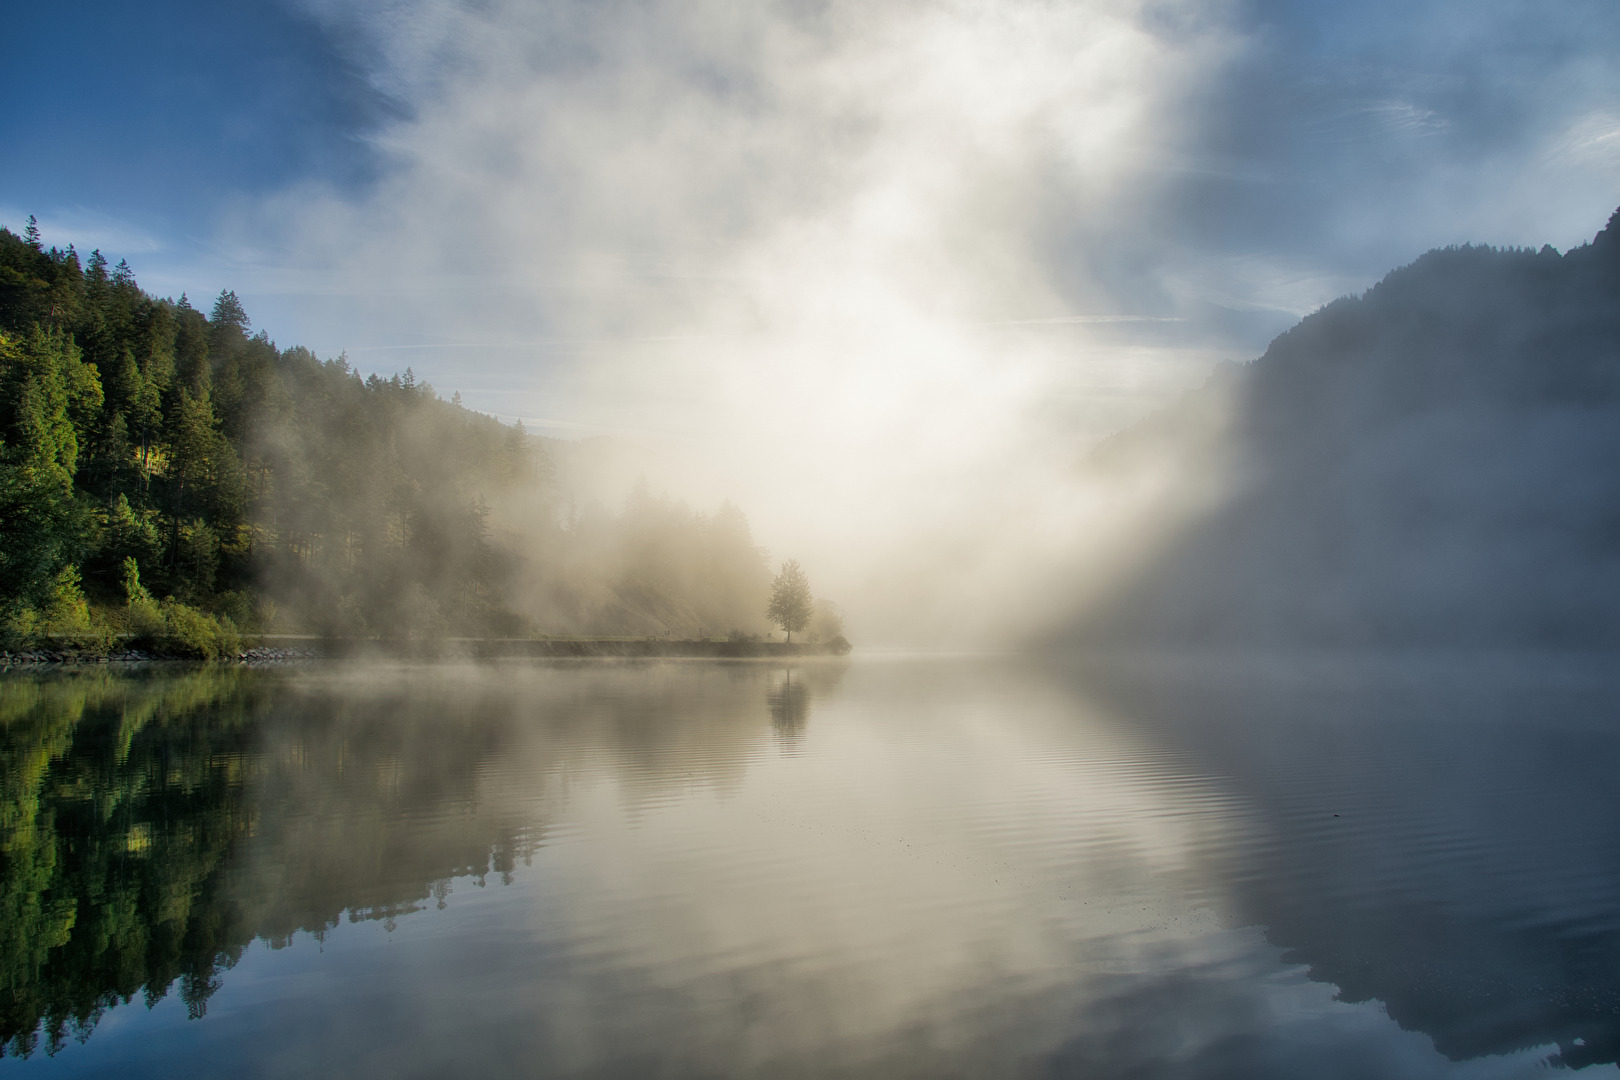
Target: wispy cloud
{"points": [[809, 242], [885, 269], [86, 229]]}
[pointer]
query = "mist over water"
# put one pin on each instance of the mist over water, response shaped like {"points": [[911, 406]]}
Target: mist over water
{"points": [[1232, 691], [1187, 868]]}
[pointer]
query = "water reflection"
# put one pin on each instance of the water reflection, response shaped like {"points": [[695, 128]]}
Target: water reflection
{"points": [[154, 824], [790, 694], [1439, 836], [789, 704], [885, 869], [115, 817]]}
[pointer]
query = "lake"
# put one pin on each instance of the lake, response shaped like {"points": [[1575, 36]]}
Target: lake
{"points": [[880, 867]]}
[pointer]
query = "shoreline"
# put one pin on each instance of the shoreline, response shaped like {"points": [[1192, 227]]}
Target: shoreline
{"points": [[445, 648]]}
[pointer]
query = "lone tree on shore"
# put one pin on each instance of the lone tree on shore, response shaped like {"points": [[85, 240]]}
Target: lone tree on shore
{"points": [[790, 606]]}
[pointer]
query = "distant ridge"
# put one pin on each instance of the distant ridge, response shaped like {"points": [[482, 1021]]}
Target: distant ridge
{"points": [[1436, 461]]}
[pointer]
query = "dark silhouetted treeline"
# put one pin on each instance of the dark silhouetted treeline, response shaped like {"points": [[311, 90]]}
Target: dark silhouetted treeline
{"points": [[172, 474], [1435, 461]]}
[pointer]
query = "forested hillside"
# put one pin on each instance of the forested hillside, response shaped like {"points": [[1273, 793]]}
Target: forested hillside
{"points": [[167, 472], [1435, 461]]}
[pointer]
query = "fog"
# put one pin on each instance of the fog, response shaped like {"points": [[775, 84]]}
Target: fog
{"points": [[881, 275], [1427, 464], [799, 255]]}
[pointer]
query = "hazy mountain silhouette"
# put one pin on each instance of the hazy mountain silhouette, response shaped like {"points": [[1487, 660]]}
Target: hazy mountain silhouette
{"points": [[1433, 461], [1435, 832]]}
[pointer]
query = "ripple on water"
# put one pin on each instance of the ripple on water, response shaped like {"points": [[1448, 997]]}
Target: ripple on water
{"points": [[912, 868]]}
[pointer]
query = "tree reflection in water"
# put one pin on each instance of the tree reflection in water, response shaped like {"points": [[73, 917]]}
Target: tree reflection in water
{"points": [[1434, 838], [120, 802], [789, 704], [790, 694], [154, 823]]}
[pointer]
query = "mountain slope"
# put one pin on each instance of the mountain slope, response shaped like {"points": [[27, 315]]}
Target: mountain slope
{"points": [[1436, 461]]}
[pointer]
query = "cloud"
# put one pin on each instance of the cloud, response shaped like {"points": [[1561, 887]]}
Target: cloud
{"points": [[881, 272], [87, 230], [809, 245], [1591, 141]]}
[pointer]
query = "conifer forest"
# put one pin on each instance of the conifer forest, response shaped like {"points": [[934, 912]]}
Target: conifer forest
{"points": [[170, 473]]}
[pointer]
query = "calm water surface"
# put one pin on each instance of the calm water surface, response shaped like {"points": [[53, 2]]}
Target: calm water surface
{"points": [[880, 868]]}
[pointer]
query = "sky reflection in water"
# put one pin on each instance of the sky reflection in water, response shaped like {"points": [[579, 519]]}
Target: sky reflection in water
{"points": [[881, 868]]}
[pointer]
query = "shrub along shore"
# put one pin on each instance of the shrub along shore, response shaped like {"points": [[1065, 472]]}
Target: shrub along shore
{"points": [[425, 648]]}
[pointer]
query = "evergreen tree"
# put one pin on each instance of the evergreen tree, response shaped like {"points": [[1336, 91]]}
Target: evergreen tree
{"points": [[40, 380], [141, 437], [229, 317]]}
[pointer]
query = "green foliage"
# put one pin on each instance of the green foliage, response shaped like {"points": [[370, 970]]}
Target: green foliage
{"points": [[203, 475], [193, 633], [42, 386], [239, 479], [123, 533], [64, 620], [197, 554], [127, 805], [20, 627], [143, 619], [134, 591], [237, 606], [69, 614], [102, 898]]}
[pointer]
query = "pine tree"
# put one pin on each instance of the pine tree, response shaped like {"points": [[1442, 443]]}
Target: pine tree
{"points": [[229, 314], [41, 380], [96, 269]]}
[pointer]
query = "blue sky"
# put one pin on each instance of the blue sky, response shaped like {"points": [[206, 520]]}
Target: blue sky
{"points": [[877, 270], [518, 198], [1319, 141], [153, 115]]}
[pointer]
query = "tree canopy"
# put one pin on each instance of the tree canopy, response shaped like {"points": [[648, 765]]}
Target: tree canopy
{"points": [[791, 605], [271, 488]]}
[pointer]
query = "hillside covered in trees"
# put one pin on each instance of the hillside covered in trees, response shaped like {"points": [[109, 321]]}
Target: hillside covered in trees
{"points": [[166, 472], [1436, 461]]}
